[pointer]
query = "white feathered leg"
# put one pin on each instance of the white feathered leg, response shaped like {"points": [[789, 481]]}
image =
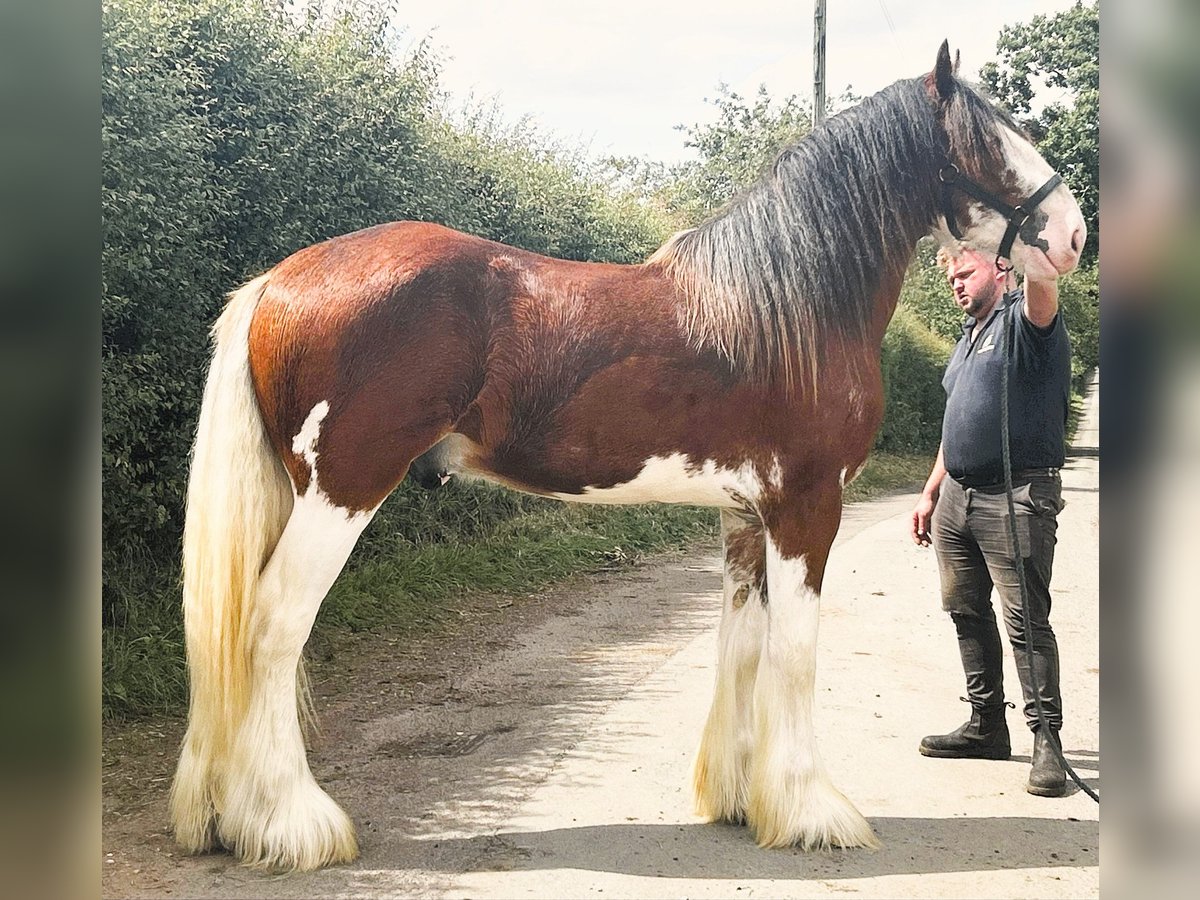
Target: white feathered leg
{"points": [[721, 776], [271, 812], [792, 801]]}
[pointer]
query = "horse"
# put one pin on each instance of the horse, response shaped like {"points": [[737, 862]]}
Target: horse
{"points": [[738, 367]]}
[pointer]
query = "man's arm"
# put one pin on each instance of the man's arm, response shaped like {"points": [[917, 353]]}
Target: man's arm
{"points": [[923, 513], [1041, 302]]}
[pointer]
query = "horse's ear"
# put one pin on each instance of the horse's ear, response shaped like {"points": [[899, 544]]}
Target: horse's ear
{"points": [[940, 82], [957, 60]]}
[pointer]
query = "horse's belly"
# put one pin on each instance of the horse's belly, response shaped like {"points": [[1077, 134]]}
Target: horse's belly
{"points": [[668, 478], [675, 479]]}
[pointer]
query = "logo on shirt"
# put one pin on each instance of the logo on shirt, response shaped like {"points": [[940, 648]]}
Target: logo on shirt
{"points": [[989, 343]]}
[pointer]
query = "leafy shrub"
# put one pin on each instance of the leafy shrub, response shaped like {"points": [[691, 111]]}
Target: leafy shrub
{"points": [[234, 134], [913, 361], [233, 137]]}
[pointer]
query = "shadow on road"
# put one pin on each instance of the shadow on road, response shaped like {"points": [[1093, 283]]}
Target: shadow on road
{"points": [[910, 846]]}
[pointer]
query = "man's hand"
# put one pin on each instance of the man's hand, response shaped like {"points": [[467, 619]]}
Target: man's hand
{"points": [[921, 517], [923, 514]]}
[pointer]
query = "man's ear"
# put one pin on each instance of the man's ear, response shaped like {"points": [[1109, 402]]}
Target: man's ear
{"points": [[940, 82]]}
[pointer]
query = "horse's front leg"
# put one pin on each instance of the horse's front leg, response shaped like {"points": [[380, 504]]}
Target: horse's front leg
{"points": [[791, 800], [721, 778]]}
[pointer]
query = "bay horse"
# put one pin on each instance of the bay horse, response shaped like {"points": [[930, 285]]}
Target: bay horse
{"points": [[738, 367]]}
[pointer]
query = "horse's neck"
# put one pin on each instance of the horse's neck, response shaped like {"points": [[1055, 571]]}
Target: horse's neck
{"points": [[886, 299]]}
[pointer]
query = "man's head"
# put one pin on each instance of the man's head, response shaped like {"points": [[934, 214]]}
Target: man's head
{"points": [[975, 280]]}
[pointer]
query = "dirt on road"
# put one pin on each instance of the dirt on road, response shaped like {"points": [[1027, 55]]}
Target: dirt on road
{"points": [[543, 748]]}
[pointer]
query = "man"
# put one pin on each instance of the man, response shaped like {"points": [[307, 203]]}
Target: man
{"points": [[965, 514]]}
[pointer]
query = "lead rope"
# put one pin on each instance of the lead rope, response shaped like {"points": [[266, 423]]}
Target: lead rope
{"points": [[1006, 340]]}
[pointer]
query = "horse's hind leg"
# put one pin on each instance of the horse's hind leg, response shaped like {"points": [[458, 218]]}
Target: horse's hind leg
{"points": [[792, 801], [272, 814], [721, 778]]}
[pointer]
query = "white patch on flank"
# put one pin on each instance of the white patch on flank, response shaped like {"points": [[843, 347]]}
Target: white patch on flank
{"points": [[673, 479], [305, 442], [792, 801]]}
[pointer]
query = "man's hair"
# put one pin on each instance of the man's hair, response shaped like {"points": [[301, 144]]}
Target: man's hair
{"points": [[948, 254]]}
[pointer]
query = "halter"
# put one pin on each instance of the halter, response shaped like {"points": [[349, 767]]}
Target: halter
{"points": [[1017, 216]]}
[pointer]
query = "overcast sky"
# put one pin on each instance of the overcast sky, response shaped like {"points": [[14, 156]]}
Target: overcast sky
{"points": [[616, 76]]}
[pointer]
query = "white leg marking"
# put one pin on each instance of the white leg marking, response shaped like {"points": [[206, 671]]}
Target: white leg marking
{"points": [[272, 813], [792, 801], [721, 777]]}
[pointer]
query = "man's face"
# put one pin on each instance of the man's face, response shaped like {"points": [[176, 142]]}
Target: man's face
{"points": [[973, 280]]}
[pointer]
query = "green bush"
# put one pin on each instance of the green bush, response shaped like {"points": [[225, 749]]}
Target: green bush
{"points": [[913, 361], [234, 136], [1079, 302]]}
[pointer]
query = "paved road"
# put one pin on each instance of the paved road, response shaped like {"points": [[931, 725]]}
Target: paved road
{"points": [[554, 761]]}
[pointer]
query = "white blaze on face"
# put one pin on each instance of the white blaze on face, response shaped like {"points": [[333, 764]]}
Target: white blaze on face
{"points": [[1064, 223]]}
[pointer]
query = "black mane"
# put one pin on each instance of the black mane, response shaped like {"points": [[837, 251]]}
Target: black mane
{"points": [[798, 257]]}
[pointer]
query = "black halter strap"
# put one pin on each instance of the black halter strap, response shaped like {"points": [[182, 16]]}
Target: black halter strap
{"points": [[952, 178]]}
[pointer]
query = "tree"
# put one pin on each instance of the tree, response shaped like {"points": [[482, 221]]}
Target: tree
{"points": [[733, 151], [1063, 53]]}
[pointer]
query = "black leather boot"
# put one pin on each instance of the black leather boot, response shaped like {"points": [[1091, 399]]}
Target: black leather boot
{"points": [[983, 736], [1047, 778]]}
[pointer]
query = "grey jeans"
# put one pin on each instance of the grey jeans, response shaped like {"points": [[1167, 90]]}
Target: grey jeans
{"points": [[970, 535]]}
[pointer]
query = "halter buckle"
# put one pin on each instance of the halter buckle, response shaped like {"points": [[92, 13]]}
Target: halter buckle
{"points": [[948, 174]]}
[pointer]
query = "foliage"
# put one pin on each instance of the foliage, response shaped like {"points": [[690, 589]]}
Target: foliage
{"points": [[234, 134], [1079, 305], [1064, 51], [914, 359], [733, 151], [927, 294]]}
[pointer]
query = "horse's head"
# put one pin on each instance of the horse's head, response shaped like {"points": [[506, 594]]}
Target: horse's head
{"points": [[996, 189]]}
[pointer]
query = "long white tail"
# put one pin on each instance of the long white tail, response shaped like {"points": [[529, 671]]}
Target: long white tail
{"points": [[238, 502]]}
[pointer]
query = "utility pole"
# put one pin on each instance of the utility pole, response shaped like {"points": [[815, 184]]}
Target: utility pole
{"points": [[819, 63]]}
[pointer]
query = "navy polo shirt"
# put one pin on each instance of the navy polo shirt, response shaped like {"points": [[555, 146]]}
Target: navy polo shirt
{"points": [[1039, 386]]}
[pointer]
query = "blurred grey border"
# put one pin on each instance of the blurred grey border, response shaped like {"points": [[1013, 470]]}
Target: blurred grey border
{"points": [[1151, 436], [50, 238], [1150, 427], [49, 453]]}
